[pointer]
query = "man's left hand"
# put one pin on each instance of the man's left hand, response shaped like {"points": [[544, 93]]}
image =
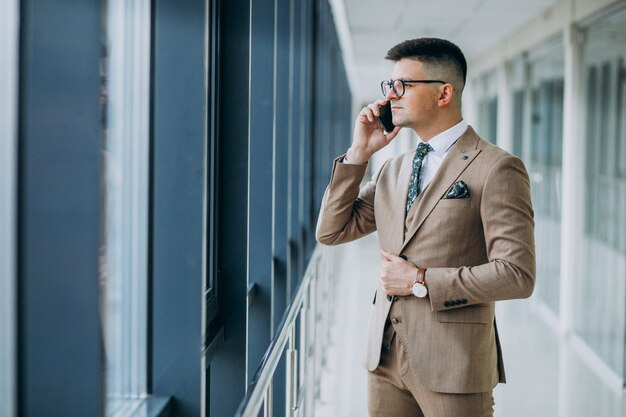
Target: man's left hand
{"points": [[396, 274]]}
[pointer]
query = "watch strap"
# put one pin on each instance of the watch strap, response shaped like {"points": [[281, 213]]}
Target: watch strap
{"points": [[421, 276]]}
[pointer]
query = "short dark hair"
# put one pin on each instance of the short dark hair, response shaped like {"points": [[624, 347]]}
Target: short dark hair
{"points": [[431, 51]]}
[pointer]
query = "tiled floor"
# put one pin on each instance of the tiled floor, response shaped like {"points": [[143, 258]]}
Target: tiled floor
{"points": [[344, 389], [546, 378]]}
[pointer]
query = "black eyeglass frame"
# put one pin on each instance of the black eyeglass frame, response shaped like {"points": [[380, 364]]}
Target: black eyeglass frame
{"points": [[392, 83]]}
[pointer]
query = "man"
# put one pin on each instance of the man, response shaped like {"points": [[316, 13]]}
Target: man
{"points": [[455, 224]]}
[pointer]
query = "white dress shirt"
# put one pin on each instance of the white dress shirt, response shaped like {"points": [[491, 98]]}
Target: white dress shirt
{"points": [[441, 145]]}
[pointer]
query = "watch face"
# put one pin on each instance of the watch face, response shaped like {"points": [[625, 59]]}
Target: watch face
{"points": [[419, 290]]}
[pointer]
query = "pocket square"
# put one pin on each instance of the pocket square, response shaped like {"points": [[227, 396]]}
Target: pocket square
{"points": [[458, 190]]}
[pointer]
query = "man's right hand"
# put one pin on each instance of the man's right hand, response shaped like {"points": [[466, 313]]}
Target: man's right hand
{"points": [[369, 136]]}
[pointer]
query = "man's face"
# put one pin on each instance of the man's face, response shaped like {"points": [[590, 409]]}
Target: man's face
{"points": [[418, 106]]}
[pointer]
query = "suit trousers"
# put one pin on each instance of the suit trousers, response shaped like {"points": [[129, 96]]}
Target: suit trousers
{"points": [[394, 391]]}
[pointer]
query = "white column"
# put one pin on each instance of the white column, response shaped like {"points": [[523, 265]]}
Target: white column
{"points": [[573, 175], [527, 121], [572, 201], [504, 134], [9, 28]]}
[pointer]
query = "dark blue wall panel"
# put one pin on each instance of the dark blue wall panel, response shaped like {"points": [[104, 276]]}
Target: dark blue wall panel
{"points": [[228, 366], [178, 186], [59, 332], [261, 148]]}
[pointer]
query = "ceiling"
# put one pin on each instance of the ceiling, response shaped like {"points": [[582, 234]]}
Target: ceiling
{"points": [[474, 25]]}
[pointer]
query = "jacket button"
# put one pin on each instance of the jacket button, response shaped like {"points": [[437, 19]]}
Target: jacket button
{"points": [[395, 320]]}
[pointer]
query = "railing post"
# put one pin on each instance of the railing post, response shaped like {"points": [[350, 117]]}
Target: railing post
{"points": [[319, 330], [304, 354], [303, 364], [267, 402], [292, 374], [314, 347]]}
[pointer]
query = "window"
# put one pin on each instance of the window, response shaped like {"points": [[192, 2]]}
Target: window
{"points": [[545, 130], [8, 119], [600, 286], [486, 92], [124, 245], [518, 70]]}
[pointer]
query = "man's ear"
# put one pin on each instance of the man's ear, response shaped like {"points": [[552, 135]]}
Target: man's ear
{"points": [[446, 93]]}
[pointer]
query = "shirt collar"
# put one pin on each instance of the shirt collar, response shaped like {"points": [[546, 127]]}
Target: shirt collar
{"points": [[444, 140]]}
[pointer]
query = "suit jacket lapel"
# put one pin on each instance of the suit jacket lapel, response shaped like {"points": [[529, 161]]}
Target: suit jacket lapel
{"points": [[458, 159], [399, 205]]}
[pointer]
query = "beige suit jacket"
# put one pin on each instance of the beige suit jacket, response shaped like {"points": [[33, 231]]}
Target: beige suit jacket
{"points": [[478, 250]]}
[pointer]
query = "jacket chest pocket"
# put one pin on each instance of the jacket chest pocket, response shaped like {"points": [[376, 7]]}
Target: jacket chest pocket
{"points": [[454, 203]]}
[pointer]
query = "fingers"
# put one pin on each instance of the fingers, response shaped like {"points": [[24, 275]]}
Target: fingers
{"points": [[392, 135], [371, 111], [388, 255], [394, 276], [375, 106], [374, 109], [392, 286], [368, 114]]}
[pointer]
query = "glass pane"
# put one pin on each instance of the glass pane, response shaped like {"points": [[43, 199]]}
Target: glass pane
{"points": [[518, 70], [8, 159], [546, 68], [600, 285], [517, 79], [210, 68], [487, 99], [123, 275]]}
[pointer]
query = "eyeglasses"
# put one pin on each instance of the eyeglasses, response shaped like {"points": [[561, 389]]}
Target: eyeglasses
{"points": [[398, 85]]}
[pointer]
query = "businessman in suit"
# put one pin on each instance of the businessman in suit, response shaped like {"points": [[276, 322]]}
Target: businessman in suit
{"points": [[455, 224]]}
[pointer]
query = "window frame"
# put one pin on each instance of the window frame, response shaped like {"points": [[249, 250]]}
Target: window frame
{"points": [[9, 24], [180, 204]]}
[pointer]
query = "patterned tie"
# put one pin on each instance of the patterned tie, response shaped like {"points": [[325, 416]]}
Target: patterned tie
{"points": [[414, 186]]}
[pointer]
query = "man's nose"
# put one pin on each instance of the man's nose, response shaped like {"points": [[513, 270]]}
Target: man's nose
{"points": [[391, 95]]}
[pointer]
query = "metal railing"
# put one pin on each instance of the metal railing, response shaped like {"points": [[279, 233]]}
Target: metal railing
{"points": [[304, 356]]}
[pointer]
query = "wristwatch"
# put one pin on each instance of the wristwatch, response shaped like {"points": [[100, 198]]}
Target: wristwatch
{"points": [[419, 286]]}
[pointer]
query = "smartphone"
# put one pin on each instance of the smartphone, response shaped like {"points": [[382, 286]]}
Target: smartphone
{"points": [[385, 117]]}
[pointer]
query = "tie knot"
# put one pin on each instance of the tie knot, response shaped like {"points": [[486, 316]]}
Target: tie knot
{"points": [[423, 148]]}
